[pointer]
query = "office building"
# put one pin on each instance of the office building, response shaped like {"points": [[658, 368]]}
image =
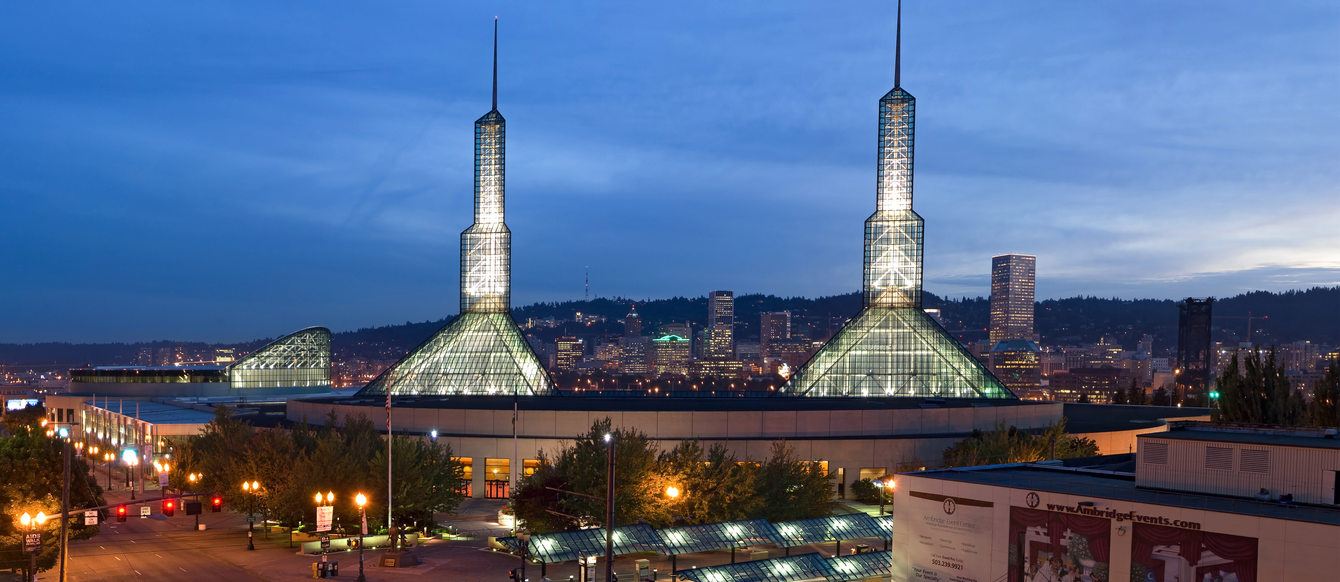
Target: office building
{"points": [[774, 326], [1017, 363], [632, 323], [1193, 348], [670, 354], [568, 352], [633, 354], [719, 335], [1012, 297]]}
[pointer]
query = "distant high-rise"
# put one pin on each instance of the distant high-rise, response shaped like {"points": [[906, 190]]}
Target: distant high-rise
{"points": [[1012, 279], [481, 351], [568, 352], [632, 323], [1193, 347], [720, 332], [670, 355], [892, 348], [774, 326]]}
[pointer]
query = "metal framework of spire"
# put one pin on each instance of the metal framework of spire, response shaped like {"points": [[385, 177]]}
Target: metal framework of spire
{"points": [[892, 348], [486, 247], [482, 351]]}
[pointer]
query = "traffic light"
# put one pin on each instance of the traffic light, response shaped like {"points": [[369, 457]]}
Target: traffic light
{"points": [[353, 543], [216, 505], [120, 513], [169, 507]]}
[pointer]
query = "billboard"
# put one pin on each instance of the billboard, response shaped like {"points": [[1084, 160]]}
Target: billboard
{"points": [[1051, 546], [950, 538], [1170, 554], [19, 403]]}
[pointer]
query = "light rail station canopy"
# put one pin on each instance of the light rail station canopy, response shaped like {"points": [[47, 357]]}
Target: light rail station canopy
{"points": [[717, 536], [796, 568], [570, 545], [834, 528]]}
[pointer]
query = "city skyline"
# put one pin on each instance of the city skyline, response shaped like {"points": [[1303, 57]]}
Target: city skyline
{"points": [[227, 176]]}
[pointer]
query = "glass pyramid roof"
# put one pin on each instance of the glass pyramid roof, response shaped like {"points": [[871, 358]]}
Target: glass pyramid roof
{"points": [[894, 351], [475, 354]]}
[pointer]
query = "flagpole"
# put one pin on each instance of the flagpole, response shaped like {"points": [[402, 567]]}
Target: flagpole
{"points": [[388, 462]]}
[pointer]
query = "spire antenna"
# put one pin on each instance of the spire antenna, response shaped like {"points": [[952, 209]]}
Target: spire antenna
{"points": [[897, 49], [495, 62]]}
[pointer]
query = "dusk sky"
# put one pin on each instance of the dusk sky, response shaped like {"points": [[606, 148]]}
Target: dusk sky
{"points": [[236, 170]]}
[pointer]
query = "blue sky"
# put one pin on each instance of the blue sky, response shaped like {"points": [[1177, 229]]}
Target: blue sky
{"points": [[237, 170]]}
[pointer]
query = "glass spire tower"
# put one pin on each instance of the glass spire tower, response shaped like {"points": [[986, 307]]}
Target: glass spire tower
{"points": [[892, 348], [482, 351]]}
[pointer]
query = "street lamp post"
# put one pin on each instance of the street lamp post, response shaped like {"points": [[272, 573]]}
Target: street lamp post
{"points": [[362, 501], [110, 459], [32, 541], [609, 512], [193, 477], [329, 499], [251, 489]]}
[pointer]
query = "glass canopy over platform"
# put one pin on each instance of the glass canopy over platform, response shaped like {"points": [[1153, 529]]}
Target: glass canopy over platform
{"points": [[795, 568], [475, 354], [894, 352]]}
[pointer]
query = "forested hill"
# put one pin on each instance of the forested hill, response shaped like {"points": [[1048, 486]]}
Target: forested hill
{"points": [[1278, 318]]}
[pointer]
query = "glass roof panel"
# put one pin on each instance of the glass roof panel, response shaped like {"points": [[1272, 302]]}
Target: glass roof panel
{"points": [[898, 352]]}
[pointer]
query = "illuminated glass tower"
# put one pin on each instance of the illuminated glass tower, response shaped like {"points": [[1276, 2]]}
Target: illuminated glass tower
{"points": [[481, 351], [892, 347], [1012, 279]]}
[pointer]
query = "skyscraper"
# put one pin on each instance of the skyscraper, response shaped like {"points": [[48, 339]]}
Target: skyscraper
{"points": [[892, 348], [774, 326], [1193, 347], [481, 351], [568, 353], [1012, 279], [632, 323], [720, 332]]}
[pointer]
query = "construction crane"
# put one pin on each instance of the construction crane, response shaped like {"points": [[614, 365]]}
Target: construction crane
{"points": [[1249, 317]]}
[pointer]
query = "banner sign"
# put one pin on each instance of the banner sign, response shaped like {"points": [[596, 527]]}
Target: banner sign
{"points": [[324, 513], [952, 537]]}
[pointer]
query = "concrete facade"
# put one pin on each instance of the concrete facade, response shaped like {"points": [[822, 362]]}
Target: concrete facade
{"points": [[850, 436]]}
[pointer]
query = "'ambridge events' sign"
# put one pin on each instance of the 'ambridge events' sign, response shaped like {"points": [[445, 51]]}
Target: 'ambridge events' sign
{"points": [[953, 538]]}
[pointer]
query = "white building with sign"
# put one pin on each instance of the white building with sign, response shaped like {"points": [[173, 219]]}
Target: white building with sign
{"points": [[1198, 503]]}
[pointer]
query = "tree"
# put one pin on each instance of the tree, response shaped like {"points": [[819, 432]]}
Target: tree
{"points": [[424, 479], [1324, 409], [1161, 397], [582, 468], [293, 465], [1258, 391], [31, 482], [1136, 394], [789, 488], [713, 485], [1119, 396], [1011, 445]]}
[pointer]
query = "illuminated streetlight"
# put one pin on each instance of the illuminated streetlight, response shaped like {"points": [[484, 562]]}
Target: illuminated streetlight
{"points": [[361, 500], [253, 488], [672, 492], [33, 525]]}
